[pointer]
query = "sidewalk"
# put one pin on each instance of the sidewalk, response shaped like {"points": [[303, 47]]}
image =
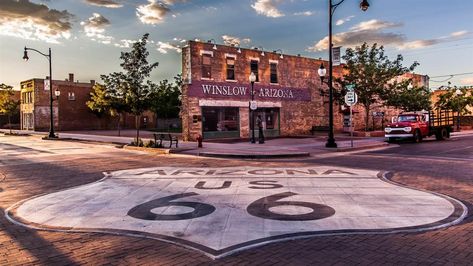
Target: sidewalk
{"points": [[273, 148]]}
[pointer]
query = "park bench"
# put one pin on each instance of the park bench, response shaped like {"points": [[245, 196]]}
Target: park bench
{"points": [[159, 137], [319, 129]]}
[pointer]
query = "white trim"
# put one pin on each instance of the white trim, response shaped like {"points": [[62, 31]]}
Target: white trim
{"points": [[231, 80], [273, 61], [398, 135], [253, 59], [211, 53], [231, 56], [227, 103]]}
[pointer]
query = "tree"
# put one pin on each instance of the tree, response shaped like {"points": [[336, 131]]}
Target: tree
{"points": [[8, 105], [166, 98], [408, 98], [132, 85], [106, 101], [456, 99], [371, 71]]}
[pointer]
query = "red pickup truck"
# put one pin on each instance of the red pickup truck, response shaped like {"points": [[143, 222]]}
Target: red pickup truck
{"points": [[418, 125]]}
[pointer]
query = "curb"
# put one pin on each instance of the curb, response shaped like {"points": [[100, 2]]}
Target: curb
{"points": [[254, 156], [364, 147]]}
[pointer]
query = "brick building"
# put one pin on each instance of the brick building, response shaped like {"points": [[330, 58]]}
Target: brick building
{"points": [[216, 93], [69, 109]]}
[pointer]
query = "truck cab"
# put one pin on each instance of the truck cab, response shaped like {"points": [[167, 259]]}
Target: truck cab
{"points": [[418, 125]]}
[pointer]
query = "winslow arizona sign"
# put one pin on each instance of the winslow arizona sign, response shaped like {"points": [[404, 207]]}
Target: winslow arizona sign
{"points": [[219, 211]]}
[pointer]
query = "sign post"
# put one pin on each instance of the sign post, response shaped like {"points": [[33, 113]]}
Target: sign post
{"points": [[351, 99]]}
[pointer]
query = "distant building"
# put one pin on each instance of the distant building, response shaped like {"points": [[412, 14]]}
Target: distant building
{"points": [[70, 110]]}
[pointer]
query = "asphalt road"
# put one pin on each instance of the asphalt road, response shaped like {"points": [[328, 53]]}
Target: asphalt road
{"points": [[30, 166]]}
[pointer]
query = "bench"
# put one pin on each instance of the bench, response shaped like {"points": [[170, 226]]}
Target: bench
{"points": [[319, 129], [159, 137]]}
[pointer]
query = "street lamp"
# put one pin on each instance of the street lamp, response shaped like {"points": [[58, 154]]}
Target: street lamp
{"points": [[51, 117], [363, 6], [458, 93], [252, 113]]}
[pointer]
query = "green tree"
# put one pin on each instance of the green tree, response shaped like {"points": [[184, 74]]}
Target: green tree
{"points": [[456, 99], [371, 71], [8, 105], [166, 98], [104, 101], [132, 85], [408, 98]]}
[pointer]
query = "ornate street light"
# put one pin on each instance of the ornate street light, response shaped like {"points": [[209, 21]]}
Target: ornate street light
{"points": [[252, 79], [51, 117], [363, 6]]}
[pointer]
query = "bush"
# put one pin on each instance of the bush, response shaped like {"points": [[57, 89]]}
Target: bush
{"points": [[137, 144], [150, 144]]}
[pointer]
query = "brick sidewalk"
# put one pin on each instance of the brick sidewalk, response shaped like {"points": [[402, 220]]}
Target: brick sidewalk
{"points": [[22, 246]]}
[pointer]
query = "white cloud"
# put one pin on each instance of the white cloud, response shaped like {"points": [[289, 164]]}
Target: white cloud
{"points": [[94, 27], [164, 47], [104, 3], [152, 13], [343, 20], [124, 43], [32, 21], [268, 8], [304, 13], [467, 81], [373, 31], [234, 41]]}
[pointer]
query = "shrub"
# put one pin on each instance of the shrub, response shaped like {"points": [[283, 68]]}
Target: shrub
{"points": [[150, 144], [137, 144]]}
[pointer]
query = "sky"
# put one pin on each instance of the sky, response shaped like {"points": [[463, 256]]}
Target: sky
{"points": [[87, 36]]}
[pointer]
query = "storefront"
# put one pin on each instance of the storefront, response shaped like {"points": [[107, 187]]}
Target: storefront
{"points": [[217, 92]]}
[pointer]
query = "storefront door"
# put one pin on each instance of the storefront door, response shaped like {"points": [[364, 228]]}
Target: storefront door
{"points": [[270, 117]]}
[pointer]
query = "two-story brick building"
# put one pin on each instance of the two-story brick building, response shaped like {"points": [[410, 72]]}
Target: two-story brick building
{"points": [[69, 109], [216, 93]]}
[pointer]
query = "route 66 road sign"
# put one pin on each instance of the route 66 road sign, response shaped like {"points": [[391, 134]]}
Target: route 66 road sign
{"points": [[351, 98], [253, 105], [219, 211]]}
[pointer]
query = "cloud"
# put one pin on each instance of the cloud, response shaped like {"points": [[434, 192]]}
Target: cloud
{"points": [[164, 47], [304, 13], [234, 41], [268, 8], [373, 31], [104, 3], [154, 12], [94, 27], [124, 43], [343, 20], [33, 21], [467, 81]]}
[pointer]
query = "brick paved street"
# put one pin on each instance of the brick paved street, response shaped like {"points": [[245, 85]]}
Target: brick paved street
{"points": [[44, 168]]}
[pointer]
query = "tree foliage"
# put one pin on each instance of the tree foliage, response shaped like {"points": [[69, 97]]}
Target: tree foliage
{"points": [[8, 105], [459, 102], [371, 71], [130, 87], [408, 98], [166, 98]]}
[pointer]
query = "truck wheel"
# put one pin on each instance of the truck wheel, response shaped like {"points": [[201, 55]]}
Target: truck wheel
{"points": [[443, 133], [417, 136], [391, 140]]}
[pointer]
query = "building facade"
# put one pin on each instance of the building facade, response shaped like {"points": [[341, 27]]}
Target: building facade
{"points": [[69, 109], [288, 92]]}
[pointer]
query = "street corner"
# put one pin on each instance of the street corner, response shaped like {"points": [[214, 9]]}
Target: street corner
{"points": [[220, 211]]}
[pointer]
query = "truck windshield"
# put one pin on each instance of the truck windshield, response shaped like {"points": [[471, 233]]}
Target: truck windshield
{"points": [[407, 118]]}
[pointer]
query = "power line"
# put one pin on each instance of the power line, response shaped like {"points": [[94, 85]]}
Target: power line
{"points": [[452, 75]]}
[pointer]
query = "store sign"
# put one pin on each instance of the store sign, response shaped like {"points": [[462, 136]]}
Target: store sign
{"points": [[204, 89]]}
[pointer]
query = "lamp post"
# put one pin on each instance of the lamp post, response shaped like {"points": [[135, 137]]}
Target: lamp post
{"points": [[252, 79], [363, 6], [458, 93], [51, 117]]}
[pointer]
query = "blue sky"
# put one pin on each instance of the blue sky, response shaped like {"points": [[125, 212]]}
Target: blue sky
{"points": [[87, 36]]}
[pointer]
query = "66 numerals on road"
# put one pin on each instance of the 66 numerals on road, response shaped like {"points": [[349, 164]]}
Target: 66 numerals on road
{"points": [[260, 208]]}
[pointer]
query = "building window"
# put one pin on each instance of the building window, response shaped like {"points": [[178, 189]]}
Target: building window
{"points": [[273, 72], [220, 119], [230, 68], [206, 66], [254, 68], [71, 96]]}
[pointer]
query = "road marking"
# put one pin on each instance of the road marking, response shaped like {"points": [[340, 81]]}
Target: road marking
{"points": [[219, 211]]}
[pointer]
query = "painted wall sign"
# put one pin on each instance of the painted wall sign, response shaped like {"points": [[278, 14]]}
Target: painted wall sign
{"points": [[231, 90]]}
